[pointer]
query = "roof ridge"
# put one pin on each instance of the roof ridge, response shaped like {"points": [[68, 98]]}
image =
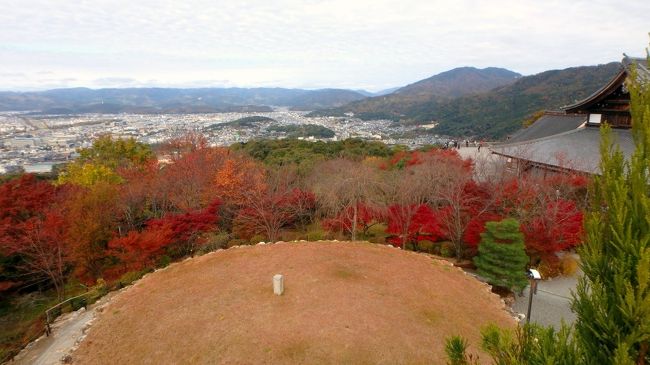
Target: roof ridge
{"points": [[581, 127]]}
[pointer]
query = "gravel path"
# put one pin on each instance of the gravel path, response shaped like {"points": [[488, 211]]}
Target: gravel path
{"points": [[551, 304], [67, 330]]}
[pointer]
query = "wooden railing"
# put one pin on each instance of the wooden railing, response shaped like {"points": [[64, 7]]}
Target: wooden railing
{"points": [[48, 317], [52, 313]]}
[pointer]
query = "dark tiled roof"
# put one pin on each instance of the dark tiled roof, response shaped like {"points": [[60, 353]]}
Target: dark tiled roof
{"points": [[548, 125], [578, 149], [643, 73], [599, 94], [641, 65]]}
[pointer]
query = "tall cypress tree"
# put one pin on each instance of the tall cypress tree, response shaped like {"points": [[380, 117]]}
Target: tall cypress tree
{"points": [[612, 300], [502, 255]]}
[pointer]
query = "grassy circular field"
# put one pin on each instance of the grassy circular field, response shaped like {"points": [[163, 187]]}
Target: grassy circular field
{"points": [[344, 303]]}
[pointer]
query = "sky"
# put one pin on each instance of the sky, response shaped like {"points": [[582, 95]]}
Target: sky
{"points": [[352, 44]]}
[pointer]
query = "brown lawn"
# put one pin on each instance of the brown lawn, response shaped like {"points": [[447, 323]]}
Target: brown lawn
{"points": [[344, 303]]}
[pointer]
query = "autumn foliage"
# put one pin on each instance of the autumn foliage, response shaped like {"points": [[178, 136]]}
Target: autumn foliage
{"points": [[559, 227], [119, 209], [366, 217], [175, 234], [32, 228], [412, 223]]}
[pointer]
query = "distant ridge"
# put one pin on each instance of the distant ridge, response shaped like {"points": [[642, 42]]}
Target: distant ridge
{"points": [[403, 102], [460, 81], [171, 100]]}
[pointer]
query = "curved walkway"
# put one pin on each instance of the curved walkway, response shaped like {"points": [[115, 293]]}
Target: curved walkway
{"points": [[551, 304], [67, 331]]}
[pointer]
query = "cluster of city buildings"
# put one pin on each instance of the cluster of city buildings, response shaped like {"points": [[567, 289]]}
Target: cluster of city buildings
{"points": [[35, 143]]}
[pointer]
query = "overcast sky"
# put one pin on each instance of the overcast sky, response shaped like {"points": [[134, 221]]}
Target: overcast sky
{"points": [[309, 44]]}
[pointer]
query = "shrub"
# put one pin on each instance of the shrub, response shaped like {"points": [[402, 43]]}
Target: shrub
{"points": [[237, 242], [550, 268], [569, 265], [456, 349], [129, 278], [315, 235], [215, 241], [99, 290], [530, 344], [164, 261], [256, 239], [289, 236], [502, 256], [426, 246], [447, 249], [78, 303]]}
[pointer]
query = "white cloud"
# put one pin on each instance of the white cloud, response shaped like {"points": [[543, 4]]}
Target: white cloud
{"points": [[339, 43]]}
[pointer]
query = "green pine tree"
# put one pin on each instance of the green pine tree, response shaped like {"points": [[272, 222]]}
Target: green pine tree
{"points": [[612, 300], [502, 256]]}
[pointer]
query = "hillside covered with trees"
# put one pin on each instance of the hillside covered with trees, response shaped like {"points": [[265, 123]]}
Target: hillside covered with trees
{"points": [[304, 130], [502, 111], [484, 112], [401, 103]]}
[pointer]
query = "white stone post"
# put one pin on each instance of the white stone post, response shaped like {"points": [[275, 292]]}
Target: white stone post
{"points": [[278, 284]]}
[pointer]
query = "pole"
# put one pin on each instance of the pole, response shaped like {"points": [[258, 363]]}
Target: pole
{"points": [[48, 330], [530, 298]]}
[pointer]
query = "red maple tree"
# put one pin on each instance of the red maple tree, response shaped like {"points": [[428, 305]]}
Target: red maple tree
{"points": [[267, 211], [367, 216], [557, 228], [174, 234], [32, 227], [411, 224]]}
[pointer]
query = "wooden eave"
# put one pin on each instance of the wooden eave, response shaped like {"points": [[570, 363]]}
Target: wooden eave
{"points": [[542, 165], [599, 95]]}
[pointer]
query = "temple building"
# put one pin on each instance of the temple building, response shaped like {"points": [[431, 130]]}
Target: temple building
{"points": [[569, 140]]}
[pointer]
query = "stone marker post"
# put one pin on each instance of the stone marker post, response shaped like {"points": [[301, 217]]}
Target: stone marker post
{"points": [[278, 284]]}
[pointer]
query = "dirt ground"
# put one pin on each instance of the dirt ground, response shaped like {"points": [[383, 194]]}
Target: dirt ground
{"points": [[344, 303]]}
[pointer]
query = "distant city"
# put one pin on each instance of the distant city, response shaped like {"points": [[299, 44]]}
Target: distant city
{"points": [[35, 143]]}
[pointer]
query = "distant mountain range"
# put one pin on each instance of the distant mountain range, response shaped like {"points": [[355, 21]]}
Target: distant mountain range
{"points": [[164, 100], [483, 103], [466, 101]]}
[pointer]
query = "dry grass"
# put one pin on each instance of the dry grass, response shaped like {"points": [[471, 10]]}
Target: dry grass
{"points": [[345, 303]]}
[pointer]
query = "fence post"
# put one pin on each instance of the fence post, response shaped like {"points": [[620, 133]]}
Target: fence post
{"points": [[48, 330]]}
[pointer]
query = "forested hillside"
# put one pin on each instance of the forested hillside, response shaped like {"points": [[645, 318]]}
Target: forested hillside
{"points": [[481, 111], [402, 103], [501, 111]]}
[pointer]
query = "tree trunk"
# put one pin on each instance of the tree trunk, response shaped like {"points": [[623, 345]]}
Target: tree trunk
{"points": [[643, 351], [354, 223]]}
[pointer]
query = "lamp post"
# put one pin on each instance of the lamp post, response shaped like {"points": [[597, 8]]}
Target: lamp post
{"points": [[534, 277]]}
